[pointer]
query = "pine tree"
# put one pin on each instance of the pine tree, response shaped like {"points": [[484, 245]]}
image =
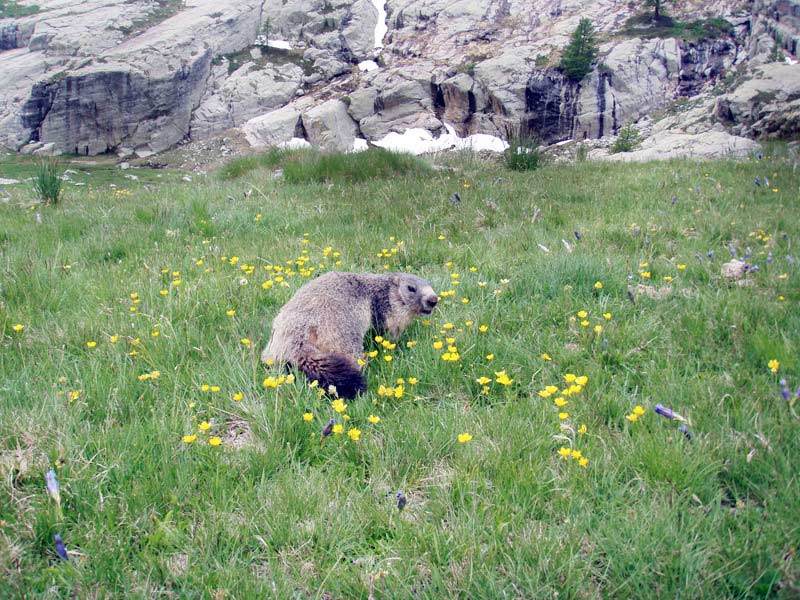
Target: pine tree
{"points": [[581, 51]]}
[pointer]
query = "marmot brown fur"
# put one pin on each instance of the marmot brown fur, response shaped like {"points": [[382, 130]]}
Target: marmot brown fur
{"points": [[321, 329]]}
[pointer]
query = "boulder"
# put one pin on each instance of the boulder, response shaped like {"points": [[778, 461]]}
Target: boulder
{"points": [[329, 127], [274, 128]]}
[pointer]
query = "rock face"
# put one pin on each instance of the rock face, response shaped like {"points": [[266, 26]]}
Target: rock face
{"points": [[122, 75]]}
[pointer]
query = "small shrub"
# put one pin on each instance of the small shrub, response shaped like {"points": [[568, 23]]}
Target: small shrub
{"points": [[47, 181], [581, 152], [627, 139], [523, 154]]}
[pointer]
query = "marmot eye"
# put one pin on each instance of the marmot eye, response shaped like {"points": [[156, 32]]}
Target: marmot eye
{"points": [[412, 289]]}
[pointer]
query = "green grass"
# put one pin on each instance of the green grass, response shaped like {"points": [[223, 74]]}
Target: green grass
{"points": [[271, 512]]}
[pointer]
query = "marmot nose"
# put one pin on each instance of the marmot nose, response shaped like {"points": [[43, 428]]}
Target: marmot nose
{"points": [[431, 301]]}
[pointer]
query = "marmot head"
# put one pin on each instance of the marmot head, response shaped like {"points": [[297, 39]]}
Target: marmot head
{"points": [[415, 293]]}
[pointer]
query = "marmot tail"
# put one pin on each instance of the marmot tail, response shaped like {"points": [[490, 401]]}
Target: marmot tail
{"points": [[333, 370]]}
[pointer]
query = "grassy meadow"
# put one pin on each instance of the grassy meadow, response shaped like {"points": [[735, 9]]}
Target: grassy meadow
{"points": [[518, 421]]}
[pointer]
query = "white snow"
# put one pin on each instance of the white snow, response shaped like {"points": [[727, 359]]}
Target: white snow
{"points": [[368, 65], [381, 28], [4, 181], [360, 145], [294, 144], [280, 44], [420, 141]]}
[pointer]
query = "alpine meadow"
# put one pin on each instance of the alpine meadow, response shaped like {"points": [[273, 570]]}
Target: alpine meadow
{"points": [[604, 403]]}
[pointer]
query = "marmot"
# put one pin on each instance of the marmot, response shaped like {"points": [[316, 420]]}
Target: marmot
{"points": [[321, 329]]}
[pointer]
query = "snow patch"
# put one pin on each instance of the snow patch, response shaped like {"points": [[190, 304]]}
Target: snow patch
{"points": [[295, 144], [421, 141], [360, 145], [381, 28], [368, 65], [279, 44], [4, 181]]}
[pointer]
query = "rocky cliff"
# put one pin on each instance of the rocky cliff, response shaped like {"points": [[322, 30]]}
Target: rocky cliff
{"points": [[141, 76]]}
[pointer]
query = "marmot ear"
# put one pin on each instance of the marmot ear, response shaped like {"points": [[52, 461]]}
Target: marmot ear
{"points": [[396, 280]]}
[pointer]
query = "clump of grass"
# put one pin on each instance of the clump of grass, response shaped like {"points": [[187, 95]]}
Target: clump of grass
{"points": [[700, 29], [627, 139], [242, 166], [523, 154], [47, 181], [10, 9], [306, 166], [373, 164]]}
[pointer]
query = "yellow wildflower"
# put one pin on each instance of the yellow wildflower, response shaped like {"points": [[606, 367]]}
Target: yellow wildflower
{"points": [[582, 380], [205, 426], [237, 397], [91, 344], [464, 437], [438, 345], [490, 357], [638, 410], [338, 428], [18, 327], [681, 267], [598, 285], [607, 316], [308, 416], [246, 341], [582, 314], [563, 416], [545, 356], [483, 380], [560, 402], [774, 365], [564, 452], [374, 419], [582, 429], [190, 438], [576, 454], [633, 417], [230, 312], [214, 441], [483, 328], [354, 433], [502, 378], [598, 329], [583, 462]]}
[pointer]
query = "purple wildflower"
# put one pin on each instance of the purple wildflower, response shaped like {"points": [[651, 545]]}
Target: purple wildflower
{"points": [[685, 431], [769, 258], [401, 500], [61, 549], [710, 254], [758, 181], [577, 235], [668, 412], [52, 486], [327, 431]]}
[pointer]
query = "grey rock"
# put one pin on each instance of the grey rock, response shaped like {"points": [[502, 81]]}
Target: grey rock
{"points": [[328, 126]]}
